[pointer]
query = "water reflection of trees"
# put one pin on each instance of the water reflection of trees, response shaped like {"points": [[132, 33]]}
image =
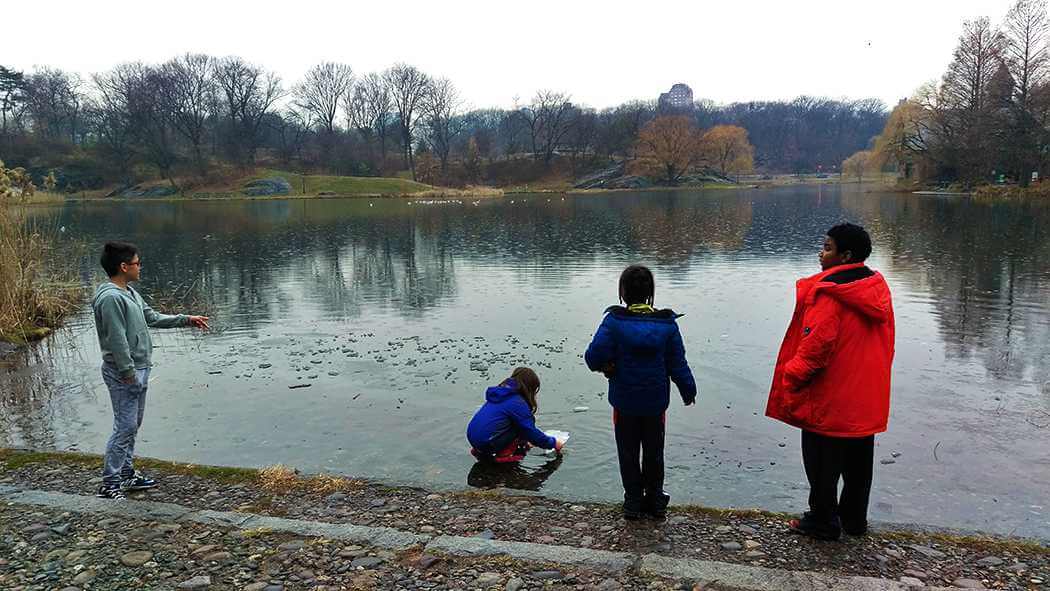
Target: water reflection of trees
{"points": [[983, 265]]}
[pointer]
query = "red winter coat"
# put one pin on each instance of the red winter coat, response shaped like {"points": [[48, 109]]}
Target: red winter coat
{"points": [[833, 372]]}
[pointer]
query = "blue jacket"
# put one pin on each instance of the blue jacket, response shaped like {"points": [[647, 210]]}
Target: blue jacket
{"points": [[645, 350], [504, 417]]}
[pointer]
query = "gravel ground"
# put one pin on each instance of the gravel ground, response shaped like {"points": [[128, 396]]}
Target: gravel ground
{"points": [[52, 550], [749, 538]]}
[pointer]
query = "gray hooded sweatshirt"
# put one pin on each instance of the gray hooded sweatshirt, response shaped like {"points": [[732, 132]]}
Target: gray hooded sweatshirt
{"points": [[123, 320]]}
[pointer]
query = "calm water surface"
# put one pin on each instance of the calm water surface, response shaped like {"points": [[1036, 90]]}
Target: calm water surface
{"points": [[399, 313]]}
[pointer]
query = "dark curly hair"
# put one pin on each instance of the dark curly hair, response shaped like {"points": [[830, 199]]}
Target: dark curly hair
{"points": [[852, 238]]}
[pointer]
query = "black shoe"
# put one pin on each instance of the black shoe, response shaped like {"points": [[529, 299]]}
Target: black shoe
{"points": [[137, 482], [809, 527], [656, 505], [633, 509], [854, 530], [111, 492]]}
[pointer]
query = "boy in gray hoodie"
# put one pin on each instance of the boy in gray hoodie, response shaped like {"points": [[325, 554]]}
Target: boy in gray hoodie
{"points": [[123, 320]]}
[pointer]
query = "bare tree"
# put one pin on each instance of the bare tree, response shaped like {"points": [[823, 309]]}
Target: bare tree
{"points": [[291, 128], [248, 94], [964, 111], [552, 111], [408, 89], [190, 99], [581, 135], [442, 109], [976, 58], [1027, 30], [368, 109], [112, 117], [53, 100], [322, 91]]}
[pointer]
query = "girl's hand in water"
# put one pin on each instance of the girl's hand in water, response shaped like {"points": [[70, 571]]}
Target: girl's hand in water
{"points": [[558, 444]]}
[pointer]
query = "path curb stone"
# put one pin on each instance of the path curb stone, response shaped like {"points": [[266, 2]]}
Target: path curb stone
{"points": [[710, 574]]}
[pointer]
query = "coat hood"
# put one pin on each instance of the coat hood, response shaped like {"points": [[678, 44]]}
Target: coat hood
{"points": [[503, 392], [109, 289], [869, 296]]}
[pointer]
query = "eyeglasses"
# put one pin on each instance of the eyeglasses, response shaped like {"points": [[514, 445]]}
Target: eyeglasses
{"points": [[136, 263]]}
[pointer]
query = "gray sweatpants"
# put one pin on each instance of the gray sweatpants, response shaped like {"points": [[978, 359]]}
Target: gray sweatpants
{"points": [[129, 404]]}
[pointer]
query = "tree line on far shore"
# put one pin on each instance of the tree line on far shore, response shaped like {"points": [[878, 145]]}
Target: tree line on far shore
{"points": [[987, 120], [200, 117]]}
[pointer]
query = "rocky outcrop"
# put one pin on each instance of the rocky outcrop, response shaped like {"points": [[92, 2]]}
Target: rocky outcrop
{"points": [[266, 187], [602, 178], [134, 191]]}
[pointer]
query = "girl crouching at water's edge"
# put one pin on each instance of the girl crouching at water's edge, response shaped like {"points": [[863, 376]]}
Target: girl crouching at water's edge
{"points": [[504, 428]]}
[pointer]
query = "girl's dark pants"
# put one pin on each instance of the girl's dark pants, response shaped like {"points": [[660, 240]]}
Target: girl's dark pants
{"points": [[826, 459], [642, 480]]}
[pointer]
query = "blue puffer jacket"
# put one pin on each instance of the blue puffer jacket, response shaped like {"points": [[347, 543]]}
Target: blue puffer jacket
{"points": [[504, 416], [645, 350]]}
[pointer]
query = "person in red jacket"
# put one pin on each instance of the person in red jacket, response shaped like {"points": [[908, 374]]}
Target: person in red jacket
{"points": [[832, 381]]}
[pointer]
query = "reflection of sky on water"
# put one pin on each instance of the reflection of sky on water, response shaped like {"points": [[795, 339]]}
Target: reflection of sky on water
{"points": [[398, 314]]}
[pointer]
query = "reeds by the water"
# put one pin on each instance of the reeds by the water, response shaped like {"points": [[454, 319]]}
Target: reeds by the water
{"points": [[38, 289]]}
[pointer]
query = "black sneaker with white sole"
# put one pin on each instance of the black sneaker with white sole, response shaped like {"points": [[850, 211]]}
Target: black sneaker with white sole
{"points": [[111, 492], [137, 482]]}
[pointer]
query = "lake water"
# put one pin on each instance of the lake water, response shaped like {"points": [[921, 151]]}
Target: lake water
{"points": [[398, 314]]}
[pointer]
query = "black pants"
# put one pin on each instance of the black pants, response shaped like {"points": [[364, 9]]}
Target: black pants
{"points": [[645, 478], [826, 460]]}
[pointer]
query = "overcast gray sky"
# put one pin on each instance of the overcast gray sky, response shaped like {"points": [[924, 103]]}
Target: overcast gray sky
{"points": [[601, 52]]}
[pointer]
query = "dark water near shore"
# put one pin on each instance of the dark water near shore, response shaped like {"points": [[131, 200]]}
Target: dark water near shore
{"points": [[399, 313]]}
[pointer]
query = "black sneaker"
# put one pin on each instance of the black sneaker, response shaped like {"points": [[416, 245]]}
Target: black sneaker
{"points": [[809, 527], [656, 505], [111, 492], [138, 482], [633, 510]]}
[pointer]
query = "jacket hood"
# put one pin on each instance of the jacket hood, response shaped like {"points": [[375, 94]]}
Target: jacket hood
{"points": [[869, 296], [108, 288], [503, 392]]}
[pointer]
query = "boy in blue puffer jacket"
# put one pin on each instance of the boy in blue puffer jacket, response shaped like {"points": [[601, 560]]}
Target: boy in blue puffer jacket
{"points": [[504, 428], [640, 351]]}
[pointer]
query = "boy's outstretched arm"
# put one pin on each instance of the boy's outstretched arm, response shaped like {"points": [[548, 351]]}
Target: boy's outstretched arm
{"points": [[155, 319], [678, 369], [601, 352], [820, 331]]}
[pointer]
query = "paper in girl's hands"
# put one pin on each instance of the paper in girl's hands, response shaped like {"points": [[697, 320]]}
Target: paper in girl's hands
{"points": [[562, 435]]}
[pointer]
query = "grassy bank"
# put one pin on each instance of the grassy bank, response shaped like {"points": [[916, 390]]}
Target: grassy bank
{"points": [[1011, 192], [308, 186]]}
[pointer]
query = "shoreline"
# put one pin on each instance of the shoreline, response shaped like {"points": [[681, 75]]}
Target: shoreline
{"points": [[292, 479], [235, 514], [449, 195]]}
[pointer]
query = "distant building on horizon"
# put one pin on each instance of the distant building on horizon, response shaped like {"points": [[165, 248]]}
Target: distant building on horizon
{"points": [[679, 97]]}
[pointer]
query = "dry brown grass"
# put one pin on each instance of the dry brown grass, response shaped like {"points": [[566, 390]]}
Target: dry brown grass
{"points": [[282, 479], [37, 282]]}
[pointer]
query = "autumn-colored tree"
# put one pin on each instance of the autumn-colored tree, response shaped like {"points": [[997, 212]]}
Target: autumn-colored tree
{"points": [[856, 165], [903, 141], [669, 146], [726, 148], [428, 169], [15, 183]]}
